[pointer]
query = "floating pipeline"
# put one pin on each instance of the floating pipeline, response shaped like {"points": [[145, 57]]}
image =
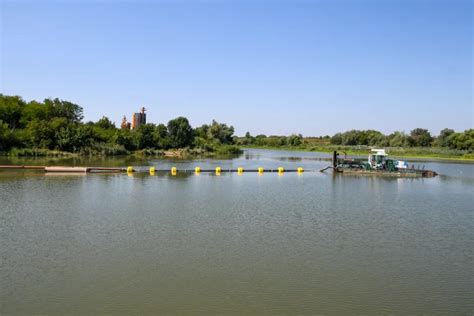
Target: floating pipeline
{"points": [[411, 173], [151, 170], [217, 170]]}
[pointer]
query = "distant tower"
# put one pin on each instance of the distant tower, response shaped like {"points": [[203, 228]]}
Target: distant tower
{"points": [[139, 118], [125, 124]]}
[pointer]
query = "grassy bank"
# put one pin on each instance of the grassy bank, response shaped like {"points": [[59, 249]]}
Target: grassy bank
{"points": [[111, 152], [412, 152]]}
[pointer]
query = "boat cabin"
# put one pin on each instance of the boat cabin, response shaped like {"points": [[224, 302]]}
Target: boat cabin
{"points": [[377, 158]]}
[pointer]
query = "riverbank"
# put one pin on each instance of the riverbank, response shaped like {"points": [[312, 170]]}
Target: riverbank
{"points": [[406, 153], [169, 153]]}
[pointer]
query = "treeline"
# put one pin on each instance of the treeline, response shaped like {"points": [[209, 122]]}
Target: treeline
{"points": [[57, 125], [418, 137], [270, 141]]}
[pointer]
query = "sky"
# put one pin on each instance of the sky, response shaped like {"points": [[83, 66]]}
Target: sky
{"points": [[267, 67]]}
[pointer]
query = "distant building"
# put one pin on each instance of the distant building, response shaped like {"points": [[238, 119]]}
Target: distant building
{"points": [[125, 124], [139, 118]]}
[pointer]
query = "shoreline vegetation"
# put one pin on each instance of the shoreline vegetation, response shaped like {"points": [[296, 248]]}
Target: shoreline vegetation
{"points": [[54, 128], [414, 153], [170, 153], [419, 144], [449, 145], [404, 153]]}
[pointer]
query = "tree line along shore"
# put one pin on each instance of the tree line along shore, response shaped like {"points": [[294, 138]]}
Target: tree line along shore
{"points": [[419, 143], [55, 127]]}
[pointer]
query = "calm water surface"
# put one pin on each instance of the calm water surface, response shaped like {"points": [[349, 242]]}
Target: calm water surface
{"points": [[292, 244]]}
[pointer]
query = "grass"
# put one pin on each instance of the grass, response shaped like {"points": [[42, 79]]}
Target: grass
{"points": [[110, 151], [37, 152]]}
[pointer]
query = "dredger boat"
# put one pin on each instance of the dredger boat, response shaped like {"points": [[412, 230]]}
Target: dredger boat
{"points": [[378, 163]]}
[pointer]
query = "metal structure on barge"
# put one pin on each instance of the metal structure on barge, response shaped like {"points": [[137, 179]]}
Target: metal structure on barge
{"points": [[378, 164]]}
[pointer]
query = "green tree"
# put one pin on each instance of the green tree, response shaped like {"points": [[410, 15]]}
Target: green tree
{"points": [[11, 110], [202, 131], [283, 141], [160, 137], [260, 140], [34, 111], [420, 137], [360, 137], [76, 137], [336, 139], [444, 140], [223, 133], [146, 136], [398, 139], [180, 133], [59, 108], [105, 123], [67, 139], [86, 136], [125, 138], [350, 138], [248, 139], [42, 134], [6, 137], [372, 138], [295, 140], [462, 141]]}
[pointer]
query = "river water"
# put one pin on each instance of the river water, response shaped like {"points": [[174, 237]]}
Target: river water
{"points": [[251, 244]]}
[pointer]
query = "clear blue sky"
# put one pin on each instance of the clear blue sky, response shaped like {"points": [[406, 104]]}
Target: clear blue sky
{"points": [[272, 67]]}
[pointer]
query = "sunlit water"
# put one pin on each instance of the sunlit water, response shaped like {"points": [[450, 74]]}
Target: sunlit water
{"points": [[269, 244]]}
